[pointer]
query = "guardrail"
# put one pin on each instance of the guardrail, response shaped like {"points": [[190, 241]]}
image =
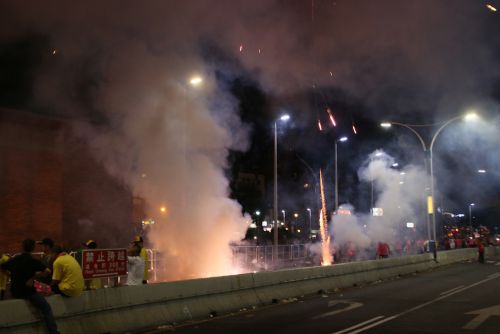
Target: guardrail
{"points": [[133, 308]]}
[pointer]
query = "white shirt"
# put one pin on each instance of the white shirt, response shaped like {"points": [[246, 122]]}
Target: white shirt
{"points": [[135, 268]]}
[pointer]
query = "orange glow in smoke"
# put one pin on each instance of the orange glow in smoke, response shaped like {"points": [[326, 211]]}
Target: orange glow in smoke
{"points": [[326, 256]]}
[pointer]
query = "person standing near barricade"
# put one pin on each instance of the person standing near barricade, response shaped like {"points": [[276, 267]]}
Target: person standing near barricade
{"points": [[24, 269], [480, 250], [94, 283], [135, 266], [144, 255], [67, 277]]}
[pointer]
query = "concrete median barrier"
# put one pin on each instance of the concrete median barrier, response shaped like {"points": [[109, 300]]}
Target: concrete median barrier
{"points": [[133, 308]]}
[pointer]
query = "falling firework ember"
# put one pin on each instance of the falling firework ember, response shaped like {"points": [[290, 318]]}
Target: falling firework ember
{"points": [[326, 256], [331, 117], [320, 126]]}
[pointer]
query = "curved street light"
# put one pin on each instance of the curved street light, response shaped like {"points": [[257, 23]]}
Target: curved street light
{"points": [[341, 139], [429, 162]]}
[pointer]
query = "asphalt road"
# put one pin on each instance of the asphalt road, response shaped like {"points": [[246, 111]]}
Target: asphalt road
{"points": [[461, 298]]}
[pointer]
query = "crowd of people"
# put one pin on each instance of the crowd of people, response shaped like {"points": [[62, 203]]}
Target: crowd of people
{"points": [[58, 271]]}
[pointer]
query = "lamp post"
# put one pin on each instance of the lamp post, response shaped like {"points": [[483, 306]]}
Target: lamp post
{"points": [[341, 139], [429, 162], [283, 118], [470, 215], [378, 154], [310, 220]]}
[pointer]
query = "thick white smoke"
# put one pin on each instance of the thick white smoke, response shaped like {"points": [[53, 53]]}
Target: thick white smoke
{"points": [[400, 193]]}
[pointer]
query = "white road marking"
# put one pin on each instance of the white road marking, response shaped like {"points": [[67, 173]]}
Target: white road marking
{"points": [[457, 290], [359, 325], [448, 291], [482, 315], [351, 305]]}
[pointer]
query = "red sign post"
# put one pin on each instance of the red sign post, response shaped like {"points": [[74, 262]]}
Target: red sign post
{"points": [[98, 263]]}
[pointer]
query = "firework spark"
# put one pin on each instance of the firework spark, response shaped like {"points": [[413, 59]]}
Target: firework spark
{"points": [[326, 256], [354, 129], [320, 126], [491, 7], [331, 116]]}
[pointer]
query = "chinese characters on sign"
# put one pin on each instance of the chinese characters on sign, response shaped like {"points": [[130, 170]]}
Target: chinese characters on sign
{"points": [[104, 262]]}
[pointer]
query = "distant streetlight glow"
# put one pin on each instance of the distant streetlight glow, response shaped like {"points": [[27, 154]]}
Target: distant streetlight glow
{"points": [[386, 125], [195, 81], [343, 139], [471, 116], [395, 164], [285, 117], [481, 171]]}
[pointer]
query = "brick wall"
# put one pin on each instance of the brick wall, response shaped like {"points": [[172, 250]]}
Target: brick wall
{"points": [[51, 186]]}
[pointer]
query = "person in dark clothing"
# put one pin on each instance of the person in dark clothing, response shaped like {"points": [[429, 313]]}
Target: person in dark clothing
{"points": [[47, 259], [23, 270]]}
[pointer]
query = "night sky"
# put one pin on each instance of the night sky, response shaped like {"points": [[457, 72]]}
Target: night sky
{"points": [[414, 62]]}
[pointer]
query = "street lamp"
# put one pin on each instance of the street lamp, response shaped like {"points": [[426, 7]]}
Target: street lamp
{"points": [[428, 153], [470, 215], [284, 217], [341, 139], [310, 220], [377, 154], [283, 118]]}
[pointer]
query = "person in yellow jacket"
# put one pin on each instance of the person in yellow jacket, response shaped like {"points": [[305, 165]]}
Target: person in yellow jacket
{"points": [[4, 276], [144, 255], [67, 278]]}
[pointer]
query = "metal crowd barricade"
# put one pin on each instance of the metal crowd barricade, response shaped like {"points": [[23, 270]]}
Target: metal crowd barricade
{"points": [[262, 256]]}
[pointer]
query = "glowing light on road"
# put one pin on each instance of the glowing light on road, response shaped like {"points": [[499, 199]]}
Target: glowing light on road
{"points": [[491, 7]]}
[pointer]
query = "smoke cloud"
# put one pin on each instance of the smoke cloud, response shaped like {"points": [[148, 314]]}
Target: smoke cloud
{"points": [[400, 193], [127, 64]]}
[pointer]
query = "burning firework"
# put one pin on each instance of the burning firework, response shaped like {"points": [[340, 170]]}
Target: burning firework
{"points": [[326, 256]]}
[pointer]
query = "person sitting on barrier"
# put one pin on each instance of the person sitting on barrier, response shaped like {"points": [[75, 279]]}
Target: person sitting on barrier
{"points": [[24, 269], [135, 266], [4, 276], [47, 259], [144, 254], [67, 277]]}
